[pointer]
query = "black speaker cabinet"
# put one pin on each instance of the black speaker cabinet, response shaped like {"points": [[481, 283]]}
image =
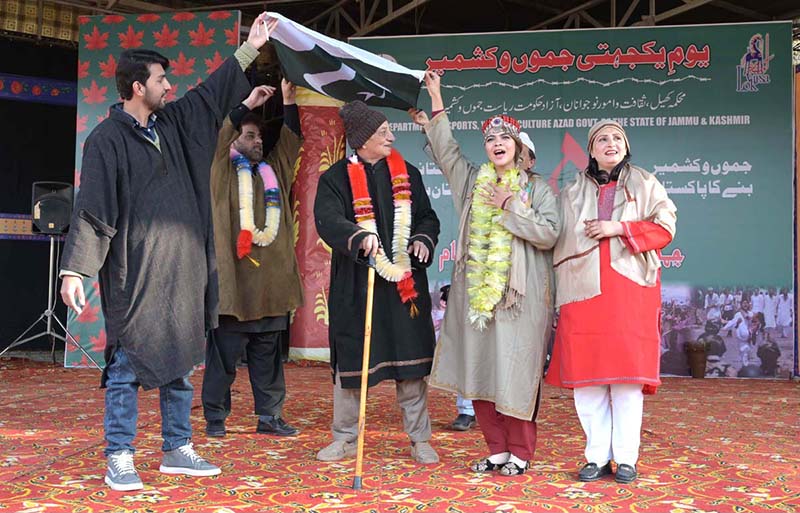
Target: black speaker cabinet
{"points": [[51, 207]]}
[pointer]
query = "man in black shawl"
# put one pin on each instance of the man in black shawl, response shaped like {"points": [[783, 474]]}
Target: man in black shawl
{"points": [[142, 221], [380, 224]]}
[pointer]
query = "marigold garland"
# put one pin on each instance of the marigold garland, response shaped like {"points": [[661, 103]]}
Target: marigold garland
{"points": [[398, 271], [249, 234], [489, 249]]}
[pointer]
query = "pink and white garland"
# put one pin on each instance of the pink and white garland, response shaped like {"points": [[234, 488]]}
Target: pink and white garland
{"points": [[249, 234]]}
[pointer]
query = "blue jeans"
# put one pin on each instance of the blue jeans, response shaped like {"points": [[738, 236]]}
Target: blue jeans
{"points": [[122, 408], [464, 406]]}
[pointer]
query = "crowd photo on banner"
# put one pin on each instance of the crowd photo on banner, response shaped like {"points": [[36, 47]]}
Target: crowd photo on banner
{"points": [[470, 249], [748, 332]]}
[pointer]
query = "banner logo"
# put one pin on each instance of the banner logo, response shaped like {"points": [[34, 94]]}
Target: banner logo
{"points": [[752, 70]]}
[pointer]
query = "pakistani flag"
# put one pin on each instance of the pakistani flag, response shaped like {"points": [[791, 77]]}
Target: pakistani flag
{"points": [[342, 71]]}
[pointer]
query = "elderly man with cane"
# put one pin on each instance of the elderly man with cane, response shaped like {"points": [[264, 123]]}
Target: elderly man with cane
{"points": [[374, 205]]}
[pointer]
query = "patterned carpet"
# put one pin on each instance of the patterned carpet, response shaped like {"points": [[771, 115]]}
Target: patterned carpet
{"points": [[719, 445]]}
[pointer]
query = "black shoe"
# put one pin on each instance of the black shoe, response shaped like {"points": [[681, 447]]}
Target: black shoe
{"points": [[276, 426], [625, 473], [215, 428], [591, 472], [512, 469], [485, 465], [463, 422]]}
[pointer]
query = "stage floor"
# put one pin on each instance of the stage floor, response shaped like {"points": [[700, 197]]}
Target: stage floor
{"points": [[720, 445]]}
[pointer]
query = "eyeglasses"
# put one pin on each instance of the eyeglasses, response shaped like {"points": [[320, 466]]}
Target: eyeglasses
{"points": [[383, 133]]}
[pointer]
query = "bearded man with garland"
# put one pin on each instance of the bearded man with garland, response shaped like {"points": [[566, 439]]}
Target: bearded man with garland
{"points": [[374, 205], [259, 280]]}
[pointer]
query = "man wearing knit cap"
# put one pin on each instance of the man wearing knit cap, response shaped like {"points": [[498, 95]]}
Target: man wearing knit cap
{"points": [[370, 207]]}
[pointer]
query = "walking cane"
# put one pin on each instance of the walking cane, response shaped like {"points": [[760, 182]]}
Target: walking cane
{"points": [[362, 411]]}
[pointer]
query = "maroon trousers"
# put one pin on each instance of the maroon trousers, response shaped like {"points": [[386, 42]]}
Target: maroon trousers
{"points": [[506, 434]]}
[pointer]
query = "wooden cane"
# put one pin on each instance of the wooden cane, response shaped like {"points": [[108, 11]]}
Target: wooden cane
{"points": [[362, 410]]}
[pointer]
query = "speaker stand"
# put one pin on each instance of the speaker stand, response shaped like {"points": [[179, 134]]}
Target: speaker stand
{"points": [[48, 316]]}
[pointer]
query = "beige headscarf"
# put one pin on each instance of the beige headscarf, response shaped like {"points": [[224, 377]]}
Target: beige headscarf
{"points": [[601, 125]]}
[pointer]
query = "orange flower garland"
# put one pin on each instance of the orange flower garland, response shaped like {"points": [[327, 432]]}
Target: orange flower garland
{"points": [[398, 271]]}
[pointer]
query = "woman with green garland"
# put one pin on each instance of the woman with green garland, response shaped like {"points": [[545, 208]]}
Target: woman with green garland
{"points": [[500, 309]]}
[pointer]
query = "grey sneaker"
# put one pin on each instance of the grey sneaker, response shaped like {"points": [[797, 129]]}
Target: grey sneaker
{"points": [[184, 460], [337, 450], [121, 475], [422, 452]]}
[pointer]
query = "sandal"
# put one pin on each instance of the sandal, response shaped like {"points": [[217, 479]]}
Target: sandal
{"points": [[512, 469], [486, 466]]}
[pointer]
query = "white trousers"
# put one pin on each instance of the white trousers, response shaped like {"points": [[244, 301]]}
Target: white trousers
{"points": [[611, 417]]}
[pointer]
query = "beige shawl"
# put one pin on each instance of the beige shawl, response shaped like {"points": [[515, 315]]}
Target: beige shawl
{"points": [[639, 197]]}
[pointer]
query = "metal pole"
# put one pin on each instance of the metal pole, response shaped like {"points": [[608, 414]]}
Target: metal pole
{"points": [[50, 306]]}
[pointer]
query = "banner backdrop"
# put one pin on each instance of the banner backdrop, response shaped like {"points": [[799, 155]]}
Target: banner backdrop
{"points": [[708, 109], [797, 206], [195, 43]]}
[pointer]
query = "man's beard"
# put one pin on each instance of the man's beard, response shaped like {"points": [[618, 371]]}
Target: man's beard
{"points": [[157, 104], [253, 155]]}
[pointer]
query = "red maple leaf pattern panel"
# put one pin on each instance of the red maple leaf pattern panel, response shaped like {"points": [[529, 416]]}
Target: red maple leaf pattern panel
{"points": [[108, 67], [98, 342], [80, 125], [96, 40], [83, 69], [148, 18], [212, 64], [201, 36], [113, 18], [166, 38], [232, 36], [220, 15], [94, 94], [172, 94], [89, 313], [188, 40], [131, 38], [183, 16], [182, 66]]}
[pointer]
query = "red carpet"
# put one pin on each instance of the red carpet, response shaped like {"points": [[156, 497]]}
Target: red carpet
{"points": [[708, 446]]}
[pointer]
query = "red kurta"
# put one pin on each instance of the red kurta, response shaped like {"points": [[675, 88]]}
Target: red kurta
{"points": [[614, 337]]}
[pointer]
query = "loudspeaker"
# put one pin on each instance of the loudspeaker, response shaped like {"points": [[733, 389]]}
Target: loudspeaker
{"points": [[51, 207]]}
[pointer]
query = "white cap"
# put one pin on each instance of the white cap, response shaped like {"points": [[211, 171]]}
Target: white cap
{"points": [[526, 140]]}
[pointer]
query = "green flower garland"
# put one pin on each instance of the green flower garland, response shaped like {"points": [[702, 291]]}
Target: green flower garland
{"points": [[489, 249]]}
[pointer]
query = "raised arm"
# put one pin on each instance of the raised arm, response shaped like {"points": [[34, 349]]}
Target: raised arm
{"points": [[231, 128], [442, 146], [284, 154], [202, 109]]}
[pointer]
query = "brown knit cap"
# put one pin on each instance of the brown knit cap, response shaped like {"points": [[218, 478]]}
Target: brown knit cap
{"points": [[602, 124], [360, 122]]}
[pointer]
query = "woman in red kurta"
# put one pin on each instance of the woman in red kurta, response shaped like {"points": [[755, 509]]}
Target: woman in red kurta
{"points": [[616, 219]]}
